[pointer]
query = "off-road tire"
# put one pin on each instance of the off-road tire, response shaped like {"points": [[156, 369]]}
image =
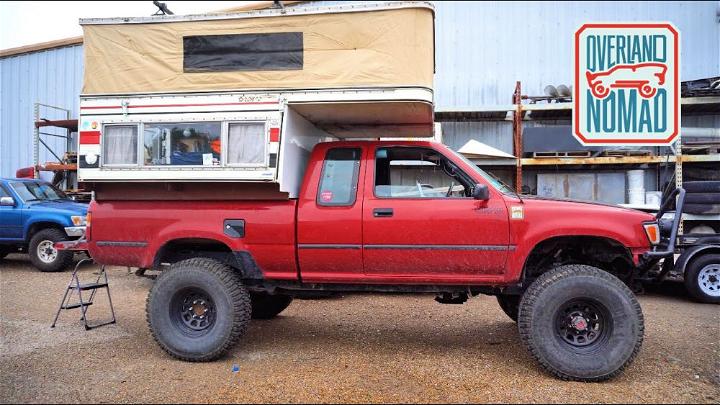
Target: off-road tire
{"points": [[614, 347], [692, 281], [692, 208], [510, 304], [702, 198], [266, 306], [231, 309], [62, 260], [710, 186]]}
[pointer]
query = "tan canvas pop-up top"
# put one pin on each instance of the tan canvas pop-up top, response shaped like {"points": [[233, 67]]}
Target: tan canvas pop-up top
{"points": [[300, 48]]}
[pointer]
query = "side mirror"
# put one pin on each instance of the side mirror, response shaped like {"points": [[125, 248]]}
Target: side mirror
{"points": [[7, 202], [481, 192]]}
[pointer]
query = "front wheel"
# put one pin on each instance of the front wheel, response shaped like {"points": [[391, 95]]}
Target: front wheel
{"points": [[198, 309], [43, 253], [581, 323], [702, 278]]}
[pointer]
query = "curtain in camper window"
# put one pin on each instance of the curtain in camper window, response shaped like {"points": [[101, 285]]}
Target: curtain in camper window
{"points": [[120, 145], [246, 144]]}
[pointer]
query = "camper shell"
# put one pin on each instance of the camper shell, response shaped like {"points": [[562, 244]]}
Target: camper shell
{"points": [[244, 97]]}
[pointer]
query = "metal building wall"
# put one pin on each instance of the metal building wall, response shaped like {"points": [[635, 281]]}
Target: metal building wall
{"points": [[482, 48], [51, 77]]}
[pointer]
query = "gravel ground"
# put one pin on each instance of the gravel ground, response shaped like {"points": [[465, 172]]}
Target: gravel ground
{"points": [[358, 348]]}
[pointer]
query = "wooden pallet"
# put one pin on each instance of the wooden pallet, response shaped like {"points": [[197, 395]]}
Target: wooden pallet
{"points": [[573, 154]]}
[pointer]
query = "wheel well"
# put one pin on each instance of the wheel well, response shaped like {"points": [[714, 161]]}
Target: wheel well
{"points": [[39, 226], [700, 253], [181, 249], [604, 253]]}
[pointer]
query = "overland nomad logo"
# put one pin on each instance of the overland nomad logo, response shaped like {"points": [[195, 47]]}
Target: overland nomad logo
{"points": [[627, 89]]}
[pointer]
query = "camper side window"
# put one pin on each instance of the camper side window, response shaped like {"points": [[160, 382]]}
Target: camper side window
{"points": [[182, 144], [243, 52], [246, 144], [119, 144]]}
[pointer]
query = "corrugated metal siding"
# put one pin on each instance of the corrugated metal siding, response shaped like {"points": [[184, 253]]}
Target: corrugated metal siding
{"points": [[482, 48], [51, 77]]}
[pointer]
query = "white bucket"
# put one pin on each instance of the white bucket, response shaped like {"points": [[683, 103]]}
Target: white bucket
{"points": [[636, 197], [636, 179]]}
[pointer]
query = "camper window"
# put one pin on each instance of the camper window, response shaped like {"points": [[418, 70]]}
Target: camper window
{"points": [[119, 145], [243, 52], [246, 144], [182, 144]]}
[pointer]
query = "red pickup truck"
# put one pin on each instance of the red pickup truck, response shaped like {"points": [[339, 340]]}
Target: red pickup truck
{"points": [[389, 216]]}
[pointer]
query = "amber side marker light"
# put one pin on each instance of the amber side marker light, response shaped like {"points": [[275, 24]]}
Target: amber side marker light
{"points": [[652, 230]]}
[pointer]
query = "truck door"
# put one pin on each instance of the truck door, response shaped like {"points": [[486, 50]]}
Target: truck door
{"points": [[11, 224], [421, 224], [330, 218]]}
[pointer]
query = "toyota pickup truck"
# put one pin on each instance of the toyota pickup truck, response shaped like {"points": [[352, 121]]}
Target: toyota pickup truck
{"points": [[34, 215], [389, 217]]}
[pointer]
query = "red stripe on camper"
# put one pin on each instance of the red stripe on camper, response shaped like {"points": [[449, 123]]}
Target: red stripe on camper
{"points": [[274, 134], [90, 138]]}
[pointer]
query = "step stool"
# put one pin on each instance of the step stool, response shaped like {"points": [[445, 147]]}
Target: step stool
{"points": [[76, 287]]}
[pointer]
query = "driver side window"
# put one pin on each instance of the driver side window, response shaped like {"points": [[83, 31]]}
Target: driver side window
{"points": [[408, 172]]}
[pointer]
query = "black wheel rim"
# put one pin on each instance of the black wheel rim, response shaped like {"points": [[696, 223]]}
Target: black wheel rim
{"points": [[583, 324], [193, 311]]}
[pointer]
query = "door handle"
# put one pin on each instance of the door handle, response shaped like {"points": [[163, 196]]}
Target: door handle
{"points": [[382, 212]]}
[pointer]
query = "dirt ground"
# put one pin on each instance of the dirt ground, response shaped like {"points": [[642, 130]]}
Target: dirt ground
{"points": [[359, 348]]}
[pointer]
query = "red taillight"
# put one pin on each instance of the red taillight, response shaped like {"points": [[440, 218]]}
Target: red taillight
{"points": [[87, 225]]}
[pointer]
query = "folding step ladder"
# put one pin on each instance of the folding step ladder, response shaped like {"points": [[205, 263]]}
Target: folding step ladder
{"points": [[76, 287]]}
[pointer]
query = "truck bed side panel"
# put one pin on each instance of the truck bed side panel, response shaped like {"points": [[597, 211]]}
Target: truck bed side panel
{"points": [[130, 233]]}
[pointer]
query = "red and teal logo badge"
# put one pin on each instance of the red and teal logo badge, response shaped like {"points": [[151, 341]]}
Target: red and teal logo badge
{"points": [[627, 88]]}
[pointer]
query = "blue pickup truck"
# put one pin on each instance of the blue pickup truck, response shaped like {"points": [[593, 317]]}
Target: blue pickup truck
{"points": [[33, 216]]}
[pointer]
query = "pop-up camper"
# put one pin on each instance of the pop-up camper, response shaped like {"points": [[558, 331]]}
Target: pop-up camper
{"points": [[245, 96]]}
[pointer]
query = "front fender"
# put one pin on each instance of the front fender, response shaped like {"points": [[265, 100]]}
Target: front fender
{"points": [[58, 220], [688, 254]]}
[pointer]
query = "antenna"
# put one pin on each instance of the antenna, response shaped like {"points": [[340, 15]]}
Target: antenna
{"points": [[162, 9]]}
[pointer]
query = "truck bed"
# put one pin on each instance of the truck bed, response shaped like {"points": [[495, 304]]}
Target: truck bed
{"points": [[129, 233]]}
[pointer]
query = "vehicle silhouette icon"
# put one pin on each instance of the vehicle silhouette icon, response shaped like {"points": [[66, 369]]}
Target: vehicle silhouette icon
{"points": [[645, 77]]}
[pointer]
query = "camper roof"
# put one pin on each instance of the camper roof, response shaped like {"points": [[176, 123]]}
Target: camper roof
{"points": [[389, 44]]}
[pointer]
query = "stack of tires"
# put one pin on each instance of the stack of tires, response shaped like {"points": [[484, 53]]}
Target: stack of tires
{"points": [[703, 197]]}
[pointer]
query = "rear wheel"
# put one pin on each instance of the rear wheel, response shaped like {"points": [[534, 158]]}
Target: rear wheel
{"points": [[43, 253], [702, 278], [581, 323], [510, 305], [198, 309], [266, 306]]}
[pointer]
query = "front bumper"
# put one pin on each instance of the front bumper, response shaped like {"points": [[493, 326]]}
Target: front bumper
{"points": [[75, 231]]}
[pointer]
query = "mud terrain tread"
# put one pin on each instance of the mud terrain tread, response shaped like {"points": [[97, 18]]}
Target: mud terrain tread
{"points": [[531, 295], [240, 301]]}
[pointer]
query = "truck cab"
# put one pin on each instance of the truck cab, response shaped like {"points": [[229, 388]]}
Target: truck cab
{"points": [[34, 215]]}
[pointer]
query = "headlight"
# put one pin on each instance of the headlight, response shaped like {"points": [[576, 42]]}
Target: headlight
{"points": [[78, 220], [652, 230]]}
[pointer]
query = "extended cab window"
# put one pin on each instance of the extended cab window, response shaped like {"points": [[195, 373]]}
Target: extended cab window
{"points": [[339, 177], [407, 172], [243, 52]]}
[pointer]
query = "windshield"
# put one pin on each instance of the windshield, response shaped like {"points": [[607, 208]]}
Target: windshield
{"points": [[37, 191], [499, 185]]}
